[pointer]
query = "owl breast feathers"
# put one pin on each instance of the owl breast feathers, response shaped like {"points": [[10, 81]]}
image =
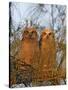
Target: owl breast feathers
{"points": [[29, 48], [47, 60], [28, 55], [47, 48], [40, 58]]}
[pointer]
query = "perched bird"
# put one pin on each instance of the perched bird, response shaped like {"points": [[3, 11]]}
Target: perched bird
{"points": [[28, 56], [47, 53]]}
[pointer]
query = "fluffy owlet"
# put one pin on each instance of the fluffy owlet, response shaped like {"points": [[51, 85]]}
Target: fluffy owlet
{"points": [[47, 52], [28, 55]]}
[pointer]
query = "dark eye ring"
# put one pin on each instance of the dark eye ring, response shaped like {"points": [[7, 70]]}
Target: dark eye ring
{"points": [[26, 32], [44, 33], [33, 32], [49, 33]]}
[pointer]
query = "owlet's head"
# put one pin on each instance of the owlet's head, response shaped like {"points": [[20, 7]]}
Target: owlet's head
{"points": [[30, 33], [47, 34]]}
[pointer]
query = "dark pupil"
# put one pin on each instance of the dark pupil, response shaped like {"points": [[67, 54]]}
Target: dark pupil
{"points": [[44, 33], [26, 32], [49, 33], [34, 32]]}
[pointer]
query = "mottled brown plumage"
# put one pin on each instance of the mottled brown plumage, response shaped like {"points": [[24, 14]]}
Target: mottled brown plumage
{"points": [[29, 47], [47, 53], [28, 56]]}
